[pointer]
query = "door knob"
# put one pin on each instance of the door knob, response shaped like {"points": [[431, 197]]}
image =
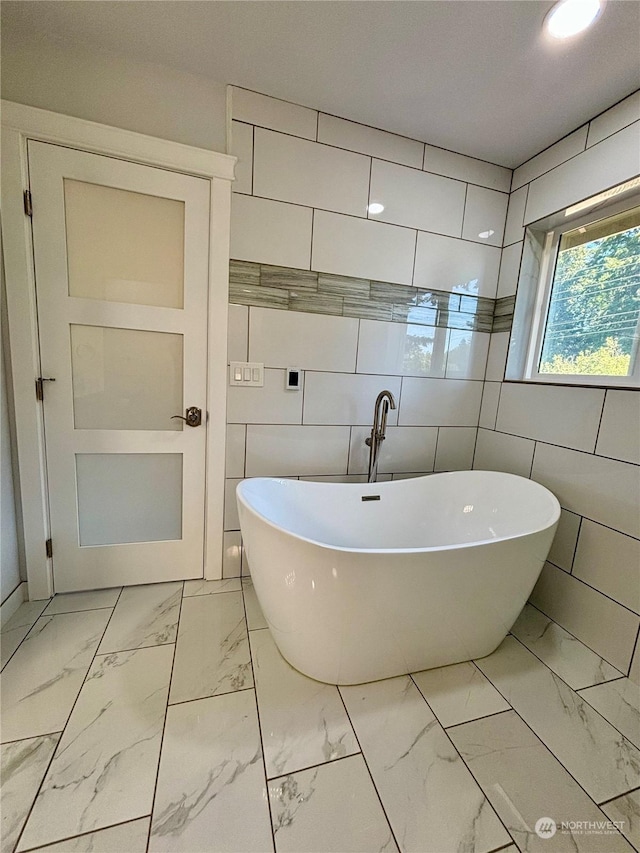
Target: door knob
{"points": [[193, 416]]}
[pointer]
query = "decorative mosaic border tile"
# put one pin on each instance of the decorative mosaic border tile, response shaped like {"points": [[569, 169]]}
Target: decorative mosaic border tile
{"points": [[289, 289], [503, 314]]}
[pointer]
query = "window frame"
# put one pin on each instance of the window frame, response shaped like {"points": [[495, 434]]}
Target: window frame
{"points": [[547, 233]]}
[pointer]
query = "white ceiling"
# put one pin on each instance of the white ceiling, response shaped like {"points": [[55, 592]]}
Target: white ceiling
{"points": [[475, 76]]}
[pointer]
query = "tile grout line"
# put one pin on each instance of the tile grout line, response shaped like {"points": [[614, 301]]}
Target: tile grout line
{"points": [[64, 728], [595, 589], [79, 610], [315, 766], [465, 764], [164, 723], [382, 221], [575, 547], [90, 832], [212, 696], [253, 153], [633, 652], [399, 136], [473, 720], [260, 740], [30, 629], [573, 635], [549, 750], [604, 403], [619, 796], [575, 689], [366, 764]]}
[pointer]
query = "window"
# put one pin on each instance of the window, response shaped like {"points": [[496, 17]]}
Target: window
{"points": [[581, 323]]}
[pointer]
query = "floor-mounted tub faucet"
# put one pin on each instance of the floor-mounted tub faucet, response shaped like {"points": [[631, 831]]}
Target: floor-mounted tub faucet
{"points": [[384, 401]]}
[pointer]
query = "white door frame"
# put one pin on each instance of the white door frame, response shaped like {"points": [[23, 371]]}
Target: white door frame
{"points": [[19, 124]]}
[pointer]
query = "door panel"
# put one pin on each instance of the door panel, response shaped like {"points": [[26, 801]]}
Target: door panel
{"points": [[121, 261]]}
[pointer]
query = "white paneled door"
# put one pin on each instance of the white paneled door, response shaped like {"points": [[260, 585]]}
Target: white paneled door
{"points": [[121, 265]]}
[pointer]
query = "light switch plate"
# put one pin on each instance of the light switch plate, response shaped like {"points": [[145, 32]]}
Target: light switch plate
{"points": [[248, 374]]}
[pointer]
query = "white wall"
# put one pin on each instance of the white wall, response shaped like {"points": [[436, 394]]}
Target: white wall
{"points": [[9, 549], [583, 443], [98, 86], [326, 287]]}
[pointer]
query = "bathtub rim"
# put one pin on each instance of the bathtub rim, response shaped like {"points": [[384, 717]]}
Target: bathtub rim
{"points": [[416, 550]]}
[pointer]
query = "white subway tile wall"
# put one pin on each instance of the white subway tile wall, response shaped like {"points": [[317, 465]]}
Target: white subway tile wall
{"points": [[452, 165], [551, 157], [346, 245], [614, 119], [583, 443], [459, 266], [301, 203], [368, 140], [509, 270], [417, 199], [306, 341], [455, 449], [307, 173], [513, 229], [484, 216], [270, 232], [242, 148], [604, 165], [263, 111]]}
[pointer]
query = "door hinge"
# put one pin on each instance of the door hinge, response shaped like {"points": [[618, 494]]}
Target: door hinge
{"points": [[40, 387], [49, 548], [28, 203]]}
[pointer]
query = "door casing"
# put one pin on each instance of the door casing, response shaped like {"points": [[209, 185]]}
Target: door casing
{"points": [[19, 124]]}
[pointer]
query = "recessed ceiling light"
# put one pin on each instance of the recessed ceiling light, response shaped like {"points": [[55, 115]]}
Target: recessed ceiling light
{"points": [[375, 207], [484, 235], [570, 17]]}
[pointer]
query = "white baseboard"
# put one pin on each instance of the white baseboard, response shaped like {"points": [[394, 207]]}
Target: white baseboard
{"points": [[11, 604]]}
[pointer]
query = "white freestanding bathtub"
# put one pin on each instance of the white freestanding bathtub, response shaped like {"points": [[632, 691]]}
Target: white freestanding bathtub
{"points": [[366, 581]]}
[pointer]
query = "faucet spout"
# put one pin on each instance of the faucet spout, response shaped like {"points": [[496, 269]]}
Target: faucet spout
{"points": [[384, 402]]}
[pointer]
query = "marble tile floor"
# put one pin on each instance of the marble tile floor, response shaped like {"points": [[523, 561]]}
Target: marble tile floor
{"points": [[163, 718]]}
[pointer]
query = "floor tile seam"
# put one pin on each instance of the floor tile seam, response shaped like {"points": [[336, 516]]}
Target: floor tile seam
{"points": [[259, 722], [15, 650], [328, 763], [85, 834], [464, 722], [29, 630], [30, 737], [549, 750], [152, 645], [619, 796], [64, 728], [212, 696], [208, 594], [134, 649], [7, 630], [366, 764], [79, 610], [549, 667], [464, 763], [304, 767], [475, 719], [573, 635], [574, 690], [601, 713], [164, 722]]}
